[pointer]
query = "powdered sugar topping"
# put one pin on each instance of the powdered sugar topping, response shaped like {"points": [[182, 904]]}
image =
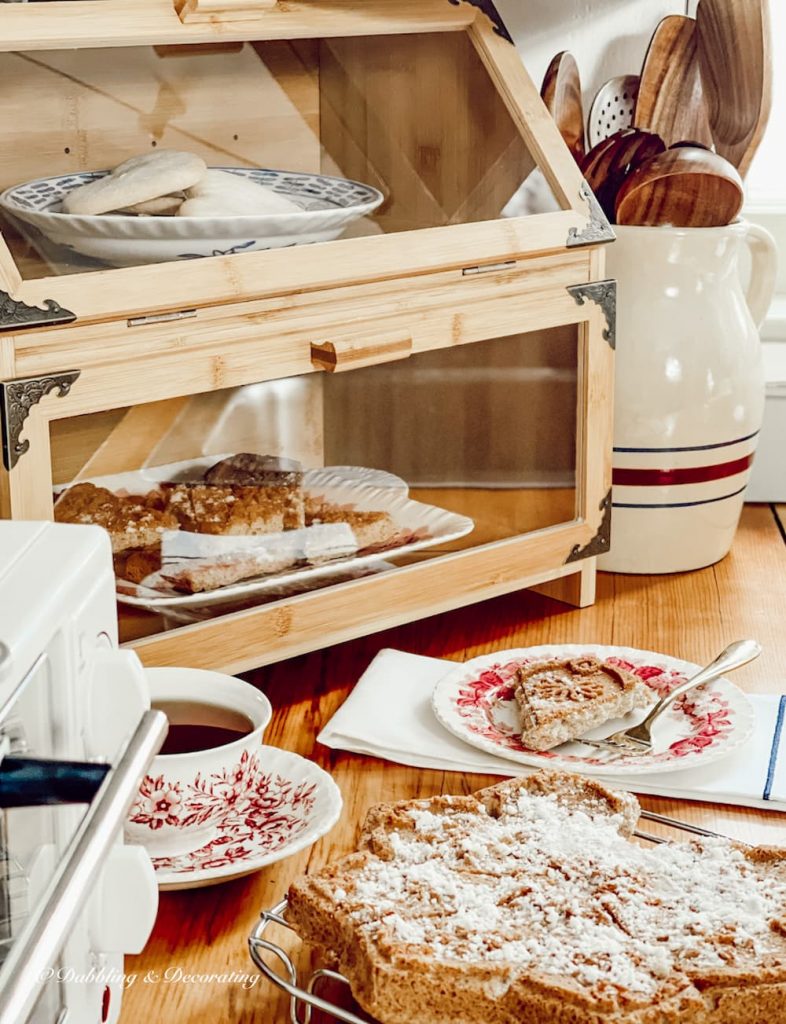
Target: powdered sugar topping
{"points": [[548, 887]]}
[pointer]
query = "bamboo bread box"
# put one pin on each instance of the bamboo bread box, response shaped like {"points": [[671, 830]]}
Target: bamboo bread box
{"points": [[436, 340]]}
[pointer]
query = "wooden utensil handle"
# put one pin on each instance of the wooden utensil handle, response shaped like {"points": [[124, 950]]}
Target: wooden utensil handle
{"points": [[353, 353]]}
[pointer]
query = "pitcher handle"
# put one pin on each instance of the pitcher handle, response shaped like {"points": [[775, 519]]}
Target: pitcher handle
{"points": [[764, 271]]}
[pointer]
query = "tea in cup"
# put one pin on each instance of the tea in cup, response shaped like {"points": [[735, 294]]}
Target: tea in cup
{"points": [[208, 763]]}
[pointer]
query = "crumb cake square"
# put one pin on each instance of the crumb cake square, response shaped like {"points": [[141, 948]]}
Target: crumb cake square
{"points": [[371, 528], [129, 520], [239, 510], [244, 495]]}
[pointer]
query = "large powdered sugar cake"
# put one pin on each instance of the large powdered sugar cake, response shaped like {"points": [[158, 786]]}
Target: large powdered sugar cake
{"points": [[528, 901]]}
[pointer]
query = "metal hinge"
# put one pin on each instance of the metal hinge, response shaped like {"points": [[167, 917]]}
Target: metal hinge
{"points": [[17, 398], [15, 314], [603, 294], [597, 230], [161, 318], [488, 268], [601, 542], [490, 10]]}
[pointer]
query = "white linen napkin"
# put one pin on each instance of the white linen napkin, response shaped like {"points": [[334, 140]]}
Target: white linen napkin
{"points": [[389, 715]]}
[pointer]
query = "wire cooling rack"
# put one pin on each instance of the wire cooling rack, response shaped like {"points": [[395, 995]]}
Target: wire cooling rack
{"points": [[303, 998]]}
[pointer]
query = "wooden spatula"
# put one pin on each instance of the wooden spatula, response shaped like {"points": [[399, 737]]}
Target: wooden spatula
{"points": [[736, 68], [561, 92], [671, 97]]}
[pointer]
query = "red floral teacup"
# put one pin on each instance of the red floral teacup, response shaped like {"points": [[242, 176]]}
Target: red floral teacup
{"points": [[187, 794]]}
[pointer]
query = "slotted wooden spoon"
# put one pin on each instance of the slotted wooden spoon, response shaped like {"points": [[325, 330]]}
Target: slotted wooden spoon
{"points": [[613, 107], [736, 68], [671, 96], [561, 92]]}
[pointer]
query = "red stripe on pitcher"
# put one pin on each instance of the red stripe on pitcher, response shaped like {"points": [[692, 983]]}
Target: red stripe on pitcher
{"points": [[683, 475]]}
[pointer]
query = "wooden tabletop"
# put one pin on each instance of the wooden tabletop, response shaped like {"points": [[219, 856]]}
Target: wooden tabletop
{"points": [[691, 616]]}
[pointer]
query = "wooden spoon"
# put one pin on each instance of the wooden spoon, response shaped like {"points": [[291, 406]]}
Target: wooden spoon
{"points": [[736, 68], [595, 155], [671, 98], [561, 92], [686, 188], [606, 173]]}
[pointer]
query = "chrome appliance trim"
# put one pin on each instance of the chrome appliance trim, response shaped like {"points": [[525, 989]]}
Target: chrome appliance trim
{"points": [[38, 945]]}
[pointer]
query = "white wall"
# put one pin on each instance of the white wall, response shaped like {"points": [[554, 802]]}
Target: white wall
{"points": [[766, 179], [607, 37]]}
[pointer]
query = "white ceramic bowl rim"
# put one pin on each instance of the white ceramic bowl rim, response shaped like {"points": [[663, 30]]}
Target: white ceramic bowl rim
{"points": [[375, 198], [210, 687]]}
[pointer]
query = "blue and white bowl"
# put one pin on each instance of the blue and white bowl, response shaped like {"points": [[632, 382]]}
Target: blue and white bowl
{"points": [[328, 206]]}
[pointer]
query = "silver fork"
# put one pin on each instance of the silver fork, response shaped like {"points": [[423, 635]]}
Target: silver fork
{"points": [[638, 738]]}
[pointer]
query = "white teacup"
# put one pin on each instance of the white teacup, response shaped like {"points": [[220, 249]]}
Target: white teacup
{"points": [[185, 796]]}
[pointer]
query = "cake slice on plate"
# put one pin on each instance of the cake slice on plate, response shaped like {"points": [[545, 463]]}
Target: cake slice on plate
{"points": [[562, 699]]}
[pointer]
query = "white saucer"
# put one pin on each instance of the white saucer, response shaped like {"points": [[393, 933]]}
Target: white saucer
{"points": [[293, 804]]}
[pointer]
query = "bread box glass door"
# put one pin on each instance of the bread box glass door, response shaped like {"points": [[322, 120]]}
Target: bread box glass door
{"points": [[310, 140], [410, 460]]}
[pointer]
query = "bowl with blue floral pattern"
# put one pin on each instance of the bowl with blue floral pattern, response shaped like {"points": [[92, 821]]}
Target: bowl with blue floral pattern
{"points": [[326, 207]]}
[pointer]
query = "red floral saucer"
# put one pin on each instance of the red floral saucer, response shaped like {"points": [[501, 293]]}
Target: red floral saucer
{"points": [[475, 702], [292, 804]]}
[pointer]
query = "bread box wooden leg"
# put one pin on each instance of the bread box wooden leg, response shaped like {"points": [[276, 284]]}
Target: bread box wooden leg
{"points": [[578, 589]]}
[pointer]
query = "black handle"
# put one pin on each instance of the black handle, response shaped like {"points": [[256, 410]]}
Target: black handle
{"points": [[34, 782]]}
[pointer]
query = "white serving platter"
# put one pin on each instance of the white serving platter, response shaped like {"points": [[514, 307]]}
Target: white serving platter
{"points": [[328, 206], [352, 486]]}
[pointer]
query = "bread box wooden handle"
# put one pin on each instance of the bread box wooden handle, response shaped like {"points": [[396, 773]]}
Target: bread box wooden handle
{"points": [[222, 10], [354, 353]]}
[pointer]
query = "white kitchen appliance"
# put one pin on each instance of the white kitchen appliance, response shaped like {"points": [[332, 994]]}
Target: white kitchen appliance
{"points": [[76, 737]]}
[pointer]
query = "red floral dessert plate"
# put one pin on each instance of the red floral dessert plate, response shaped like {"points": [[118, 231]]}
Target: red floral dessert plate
{"points": [[291, 805], [475, 702]]}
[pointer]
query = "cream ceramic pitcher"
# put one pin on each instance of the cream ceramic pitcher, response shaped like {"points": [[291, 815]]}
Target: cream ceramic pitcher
{"points": [[689, 394]]}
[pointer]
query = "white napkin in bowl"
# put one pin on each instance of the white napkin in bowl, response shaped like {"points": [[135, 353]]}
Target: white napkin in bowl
{"points": [[389, 715]]}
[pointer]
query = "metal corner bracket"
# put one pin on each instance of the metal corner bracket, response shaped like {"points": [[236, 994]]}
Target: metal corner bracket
{"points": [[14, 313], [17, 398], [491, 12], [598, 229], [601, 542], [604, 294]]}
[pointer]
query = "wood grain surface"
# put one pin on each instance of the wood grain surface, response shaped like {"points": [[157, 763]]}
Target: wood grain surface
{"points": [[687, 187], [561, 92], [671, 97], [735, 55], [689, 615]]}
